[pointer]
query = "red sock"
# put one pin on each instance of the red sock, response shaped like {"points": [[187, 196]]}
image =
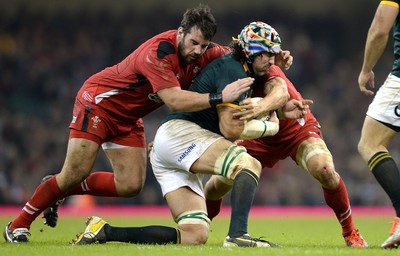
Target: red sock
{"points": [[96, 184], [213, 207], [338, 200], [46, 194]]}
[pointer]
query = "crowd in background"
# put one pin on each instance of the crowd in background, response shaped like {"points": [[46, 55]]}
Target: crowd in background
{"points": [[44, 59]]}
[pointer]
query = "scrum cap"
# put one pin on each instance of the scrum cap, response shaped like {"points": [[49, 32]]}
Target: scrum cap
{"points": [[259, 37]]}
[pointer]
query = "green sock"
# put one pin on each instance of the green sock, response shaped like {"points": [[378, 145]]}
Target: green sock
{"points": [[242, 194]]}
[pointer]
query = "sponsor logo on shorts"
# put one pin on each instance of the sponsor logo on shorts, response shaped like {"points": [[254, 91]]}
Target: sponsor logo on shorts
{"points": [[187, 152], [73, 119]]}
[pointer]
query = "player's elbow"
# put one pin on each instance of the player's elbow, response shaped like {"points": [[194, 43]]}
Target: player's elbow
{"points": [[174, 105], [378, 28], [284, 97]]}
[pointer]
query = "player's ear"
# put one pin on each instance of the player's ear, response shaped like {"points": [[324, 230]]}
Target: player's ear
{"points": [[180, 34], [180, 30]]}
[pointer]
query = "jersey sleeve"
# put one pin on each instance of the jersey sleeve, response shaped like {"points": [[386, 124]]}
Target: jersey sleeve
{"points": [[159, 71], [273, 72], [394, 3]]}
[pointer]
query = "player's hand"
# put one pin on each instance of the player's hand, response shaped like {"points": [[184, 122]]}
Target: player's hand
{"points": [[295, 109], [233, 90], [365, 79], [284, 59], [250, 109]]}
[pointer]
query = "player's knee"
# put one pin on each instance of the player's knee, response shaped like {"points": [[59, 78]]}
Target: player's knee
{"points": [[361, 146], [252, 164], [193, 227], [324, 171], [193, 234], [129, 188], [255, 165], [364, 149], [129, 191], [234, 160]]}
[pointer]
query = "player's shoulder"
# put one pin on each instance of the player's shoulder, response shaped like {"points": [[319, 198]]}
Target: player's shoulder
{"points": [[163, 44], [168, 35]]}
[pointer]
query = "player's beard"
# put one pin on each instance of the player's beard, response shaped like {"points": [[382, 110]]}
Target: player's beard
{"points": [[261, 71], [188, 59]]}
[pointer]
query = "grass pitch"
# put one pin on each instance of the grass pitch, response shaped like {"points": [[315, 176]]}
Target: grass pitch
{"points": [[298, 236]]}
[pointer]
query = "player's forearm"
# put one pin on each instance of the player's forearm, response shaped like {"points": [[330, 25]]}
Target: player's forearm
{"points": [[188, 101], [275, 100], [277, 95]]}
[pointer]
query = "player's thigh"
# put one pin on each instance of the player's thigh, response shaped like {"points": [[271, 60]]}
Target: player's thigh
{"points": [[206, 162], [128, 163], [375, 134], [79, 161], [226, 159]]}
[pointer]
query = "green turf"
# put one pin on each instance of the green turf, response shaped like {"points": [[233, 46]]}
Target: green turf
{"points": [[297, 236]]}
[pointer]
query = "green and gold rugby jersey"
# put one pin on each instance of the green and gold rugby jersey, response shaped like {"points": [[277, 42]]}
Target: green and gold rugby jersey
{"points": [[213, 79]]}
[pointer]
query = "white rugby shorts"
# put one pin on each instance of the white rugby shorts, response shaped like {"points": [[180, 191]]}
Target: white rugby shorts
{"points": [[177, 145], [385, 105]]}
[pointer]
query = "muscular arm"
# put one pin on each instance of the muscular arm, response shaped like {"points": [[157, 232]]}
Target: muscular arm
{"points": [[182, 100], [376, 42], [187, 101], [276, 96]]}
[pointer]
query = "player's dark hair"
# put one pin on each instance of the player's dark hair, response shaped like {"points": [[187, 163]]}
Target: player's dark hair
{"points": [[237, 50], [201, 17]]}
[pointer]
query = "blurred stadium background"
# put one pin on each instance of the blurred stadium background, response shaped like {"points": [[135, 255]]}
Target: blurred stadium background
{"points": [[49, 47]]}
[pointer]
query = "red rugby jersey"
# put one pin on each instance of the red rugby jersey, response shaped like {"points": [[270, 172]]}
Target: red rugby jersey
{"points": [[128, 89]]}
